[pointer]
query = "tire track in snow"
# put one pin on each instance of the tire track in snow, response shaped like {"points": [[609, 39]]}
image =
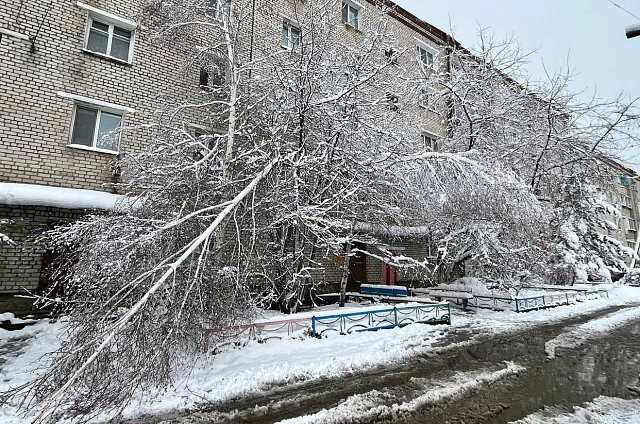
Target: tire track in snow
{"points": [[378, 405], [579, 335]]}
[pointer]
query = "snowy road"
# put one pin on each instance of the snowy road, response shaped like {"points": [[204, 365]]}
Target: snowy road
{"points": [[496, 379]]}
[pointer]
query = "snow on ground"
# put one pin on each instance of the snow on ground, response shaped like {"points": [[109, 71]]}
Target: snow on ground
{"points": [[299, 358], [580, 334], [603, 410], [371, 405], [25, 354]]}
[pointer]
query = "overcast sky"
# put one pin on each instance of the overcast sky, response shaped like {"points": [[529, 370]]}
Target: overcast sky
{"points": [[588, 34]]}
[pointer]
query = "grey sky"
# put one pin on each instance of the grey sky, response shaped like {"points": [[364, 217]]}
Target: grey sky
{"points": [[587, 34]]}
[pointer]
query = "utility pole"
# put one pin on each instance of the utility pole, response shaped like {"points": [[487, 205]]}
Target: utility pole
{"points": [[633, 30]]}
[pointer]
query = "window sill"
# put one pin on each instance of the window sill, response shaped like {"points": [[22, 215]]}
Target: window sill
{"points": [[14, 34], [350, 27], [107, 57], [93, 149]]}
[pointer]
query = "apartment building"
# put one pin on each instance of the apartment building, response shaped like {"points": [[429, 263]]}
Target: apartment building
{"points": [[622, 192], [74, 73]]}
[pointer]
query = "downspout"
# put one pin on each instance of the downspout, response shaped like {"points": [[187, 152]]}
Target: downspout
{"points": [[253, 21]]}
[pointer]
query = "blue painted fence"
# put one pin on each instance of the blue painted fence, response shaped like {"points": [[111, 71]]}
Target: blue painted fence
{"points": [[439, 313]]}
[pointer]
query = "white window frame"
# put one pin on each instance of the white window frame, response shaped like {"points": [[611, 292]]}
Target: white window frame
{"points": [[433, 140], [353, 5], [427, 48], [632, 224], [427, 93], [100, 106], [289, 24], [625, 201], [631, 244], [111, 20]]}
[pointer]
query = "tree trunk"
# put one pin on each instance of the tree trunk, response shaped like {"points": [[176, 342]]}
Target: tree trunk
{"points": [[345, 275]]}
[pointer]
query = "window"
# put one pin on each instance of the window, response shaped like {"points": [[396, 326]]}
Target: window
{"points": [[429, 142], [631, 244], [426, 55], [212, 73], [624, 180], [109, 39], [351, 14], [632, 224], [95, 128], [200, 136], [290, 36], [625, 200], [426, 99], [391, 55], [220, 9], [393, 101]]}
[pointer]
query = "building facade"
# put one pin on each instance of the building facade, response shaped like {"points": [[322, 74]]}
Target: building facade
{"points": [[74, 73]]}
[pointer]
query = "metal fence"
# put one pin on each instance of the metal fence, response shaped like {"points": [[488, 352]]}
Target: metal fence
{"points": [[439, 313]]}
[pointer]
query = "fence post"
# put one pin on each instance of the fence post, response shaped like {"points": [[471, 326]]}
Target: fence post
{"points": [[395, 316], [313, 326]]}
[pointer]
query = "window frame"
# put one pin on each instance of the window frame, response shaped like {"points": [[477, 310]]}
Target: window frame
{"points": [[421, 45], [112, 21], [355, 6], [197, 131], [433, 144], [99, 110], [631, 223], [427, 93], [207, 67], [286, 23]]}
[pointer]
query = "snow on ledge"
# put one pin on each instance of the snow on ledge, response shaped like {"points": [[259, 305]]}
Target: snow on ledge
{"points": [[67, 198]]}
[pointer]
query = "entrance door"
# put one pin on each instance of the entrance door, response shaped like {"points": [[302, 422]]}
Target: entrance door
{"points": [[388, 274], [47, 277], [357, 269]]}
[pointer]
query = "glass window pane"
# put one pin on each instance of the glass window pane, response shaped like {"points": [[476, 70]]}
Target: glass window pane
{"points": [[204, 77], [106, 139], [97, 41], [84, 125], [120, 47], [123, 33], [285, 35], [295, 37], [345, 17], [99, 26], [353, 17]]}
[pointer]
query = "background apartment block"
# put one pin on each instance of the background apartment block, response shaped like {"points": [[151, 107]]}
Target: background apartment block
{"points": [[622, 192]]}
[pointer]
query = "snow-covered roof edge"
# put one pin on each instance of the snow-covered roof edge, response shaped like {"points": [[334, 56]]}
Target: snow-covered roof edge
{"points": [[15, 194]]}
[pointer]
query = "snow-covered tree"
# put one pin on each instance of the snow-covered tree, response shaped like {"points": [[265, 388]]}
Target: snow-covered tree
{"points": [[538, 132]]}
